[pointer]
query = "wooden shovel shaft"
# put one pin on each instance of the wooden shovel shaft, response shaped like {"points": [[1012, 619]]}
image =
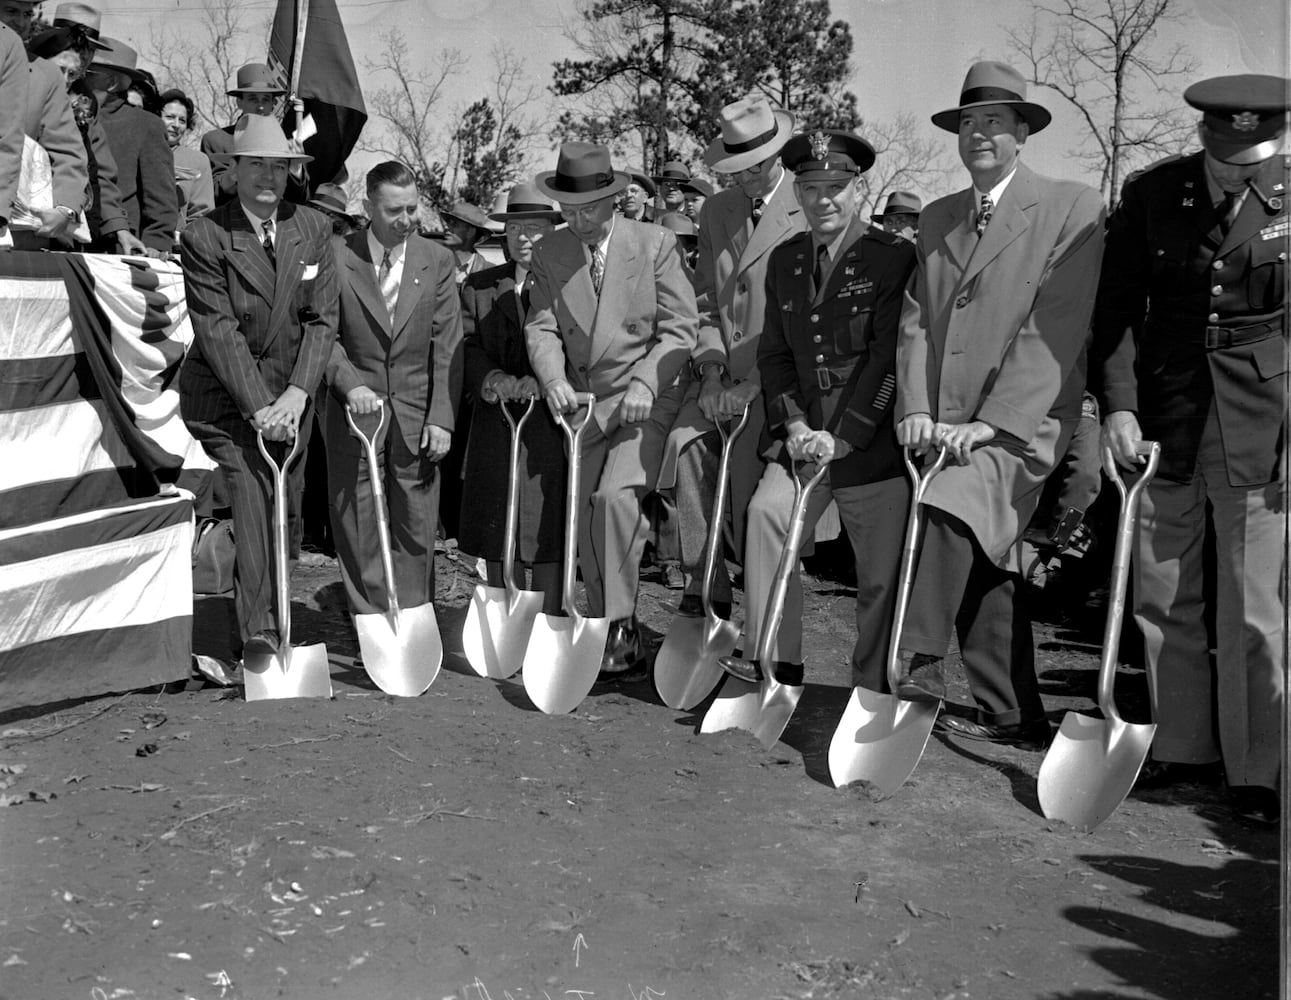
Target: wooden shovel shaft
{"points": [[382, 517], [513, 499], [574, 441], [717, 519], [1125, 525], [909, 552], [281, 578], [788, 561]]}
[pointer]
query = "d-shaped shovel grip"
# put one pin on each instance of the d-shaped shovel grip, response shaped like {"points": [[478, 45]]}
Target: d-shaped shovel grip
{"points": [[718, 514], [282, 582], [574, 441], [513, 493], [378, 501]]}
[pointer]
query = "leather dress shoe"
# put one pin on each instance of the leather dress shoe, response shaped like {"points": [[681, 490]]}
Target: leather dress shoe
{"points": [[261, 644], [750, 671], [692, 606], [1164, 773], [1034, 735], [1256, 804], [624, 660], [921, 678]]}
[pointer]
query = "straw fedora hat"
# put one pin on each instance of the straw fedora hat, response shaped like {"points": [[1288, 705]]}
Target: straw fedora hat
{"points": [[115, 55], [525, 201], [752, 131], [255, 78], [994, 83], [583, 175], [900, 203], [73, 19], [466, 212], [260, 135]]}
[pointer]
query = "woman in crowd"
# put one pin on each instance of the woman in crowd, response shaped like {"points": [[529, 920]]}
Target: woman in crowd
{"points": [[192, 168]]}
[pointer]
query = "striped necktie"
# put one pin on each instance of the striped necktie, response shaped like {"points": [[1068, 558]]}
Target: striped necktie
{"points": [[984, 214], [598, 268], [266, 228]]}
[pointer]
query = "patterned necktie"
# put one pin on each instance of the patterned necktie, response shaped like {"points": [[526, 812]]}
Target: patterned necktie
{"points": [[266, 228], [984, 214], [598, 268], [758, 206], [389, 286]]}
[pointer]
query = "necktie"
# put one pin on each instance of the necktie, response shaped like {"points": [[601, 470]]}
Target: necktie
{"points": [[818, 274], [389, 286], [984, 214], [524, 294], [598, 268], [1229, 209], [758, 205], [267, 229]]}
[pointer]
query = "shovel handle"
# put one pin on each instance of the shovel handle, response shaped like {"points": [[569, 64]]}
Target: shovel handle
{"points": [[1125, 525], [574, 442], [718, 514], [379, 503], [281, 579], [358, 431], [513, 493]]}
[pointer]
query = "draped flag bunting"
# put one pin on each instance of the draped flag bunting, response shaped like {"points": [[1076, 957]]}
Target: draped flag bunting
{"points": [[310, 54]]}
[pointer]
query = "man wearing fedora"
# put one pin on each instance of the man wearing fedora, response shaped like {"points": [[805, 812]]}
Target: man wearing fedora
{"points": [[611, 313], [990, 367], [398, 347], [1190, 350], [48, 120], [900, 216], [330, 199], [261, 282], [825, 364], [257, 91], [637, 200], [465, 225], [494, 304], [738, 229], [668, 181], [145, 164]]}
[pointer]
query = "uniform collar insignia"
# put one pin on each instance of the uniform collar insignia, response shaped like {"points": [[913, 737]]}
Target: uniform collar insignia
{"points": [[1187, 203]]}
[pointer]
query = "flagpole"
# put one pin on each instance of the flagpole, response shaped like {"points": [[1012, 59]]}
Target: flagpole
{"points": [[297, 54]]}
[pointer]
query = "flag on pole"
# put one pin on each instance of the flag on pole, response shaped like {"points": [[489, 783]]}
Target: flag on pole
{"points": [[309, 51]]}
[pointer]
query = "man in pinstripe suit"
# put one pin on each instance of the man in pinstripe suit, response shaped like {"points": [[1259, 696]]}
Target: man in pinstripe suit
{"points": [[262, 293]]}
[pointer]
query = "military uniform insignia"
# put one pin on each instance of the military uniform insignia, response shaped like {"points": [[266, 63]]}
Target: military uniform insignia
{"points": [[1247, 121], [819, 145], [1187, 203], [849, 270], [797, 271], [1279, 229]]}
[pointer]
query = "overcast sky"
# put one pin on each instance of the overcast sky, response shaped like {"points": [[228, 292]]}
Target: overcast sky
{"points": [[910, 55]]}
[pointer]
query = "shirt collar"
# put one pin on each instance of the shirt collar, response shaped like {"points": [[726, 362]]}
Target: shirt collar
{"points": [[257, 223], [996, 192], [766, 199], [377, 251], [603, 244], [834, 246]]}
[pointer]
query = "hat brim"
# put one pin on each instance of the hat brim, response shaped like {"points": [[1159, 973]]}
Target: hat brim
{"points": [[719, 161], [1036, 116], [647, 184], [543, 182], [552, 216], [257, 89], [482, 226], [268, 154]]}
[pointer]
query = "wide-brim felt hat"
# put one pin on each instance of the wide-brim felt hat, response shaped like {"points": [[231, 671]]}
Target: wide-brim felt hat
{"points": [[60, 38], [679, 224], [752, 131], [697, 185], [78, 18], [994, 83], [900, 203], [331, 198], [525, 201], [583, 175], [672, 172], [256, 78], [464, 211], [116, 55], [1243, 116], [261, 135], [645, 181]]}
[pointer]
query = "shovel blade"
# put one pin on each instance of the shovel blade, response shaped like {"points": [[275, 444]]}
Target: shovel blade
{"points": [[761, 709], [1090, 768], [879, 739], [562, 660], [402, 661], [686, 668], [495, 637], [292, 672]]}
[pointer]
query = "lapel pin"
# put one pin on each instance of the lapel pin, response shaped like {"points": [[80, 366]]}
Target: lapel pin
{"points": [[416, 281]]}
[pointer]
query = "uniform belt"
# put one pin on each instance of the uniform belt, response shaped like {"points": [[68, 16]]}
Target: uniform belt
{"points": [[1228, 336], [827, 378]]}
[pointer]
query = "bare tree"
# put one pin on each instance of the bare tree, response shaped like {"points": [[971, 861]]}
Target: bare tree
{"points": [[201, 64], [905, 159], [1097, 55]]}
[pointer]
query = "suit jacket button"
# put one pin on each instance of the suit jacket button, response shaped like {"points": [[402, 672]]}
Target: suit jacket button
{"points": [[582, 368], [961, 302], [743, 288], [816, 339], [1218, 265], [815, 317], [632, 328], [820, 359], [1217, 290], [1213, 318], [738, 335]]}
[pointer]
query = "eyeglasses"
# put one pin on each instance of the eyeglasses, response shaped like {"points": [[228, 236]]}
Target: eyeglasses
{"points": [[754, 171], [530, 229]]}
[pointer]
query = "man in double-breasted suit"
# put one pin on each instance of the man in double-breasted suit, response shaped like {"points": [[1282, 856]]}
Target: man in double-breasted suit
{"points": [[261, 285], [826, 355], [990, 366], [738, 229], [612, 313], [398, 347], [1190, 344]]}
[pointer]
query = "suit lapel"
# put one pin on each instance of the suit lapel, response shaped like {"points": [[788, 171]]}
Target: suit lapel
{"points": [[286, 248], [1252, 216], [508, 301], [621, 267], [575, 283], [248, 257], [777, 219], [411, 285], [961, 239], [848, 256], [1008, 222], [364, 282]]}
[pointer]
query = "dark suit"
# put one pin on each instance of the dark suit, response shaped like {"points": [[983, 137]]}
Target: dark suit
{"points": [[413, 362], [257, 330], [217, 144], [826, 356], [1190, 336], [145, 170]]}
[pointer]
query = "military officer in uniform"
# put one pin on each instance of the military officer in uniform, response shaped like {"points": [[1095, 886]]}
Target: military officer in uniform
{"points": [[826, 365], [1191, 340]]}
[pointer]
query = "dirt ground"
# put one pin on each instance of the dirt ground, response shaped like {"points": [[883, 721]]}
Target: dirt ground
{"points": [[462, 844]]}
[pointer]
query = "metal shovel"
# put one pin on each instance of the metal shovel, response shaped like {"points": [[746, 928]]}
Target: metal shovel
{"points": [[686, 667], [564, 654], [881, 737], [302, 672], [499, 619], [1093, 763], [764, 709], [402, 650]]}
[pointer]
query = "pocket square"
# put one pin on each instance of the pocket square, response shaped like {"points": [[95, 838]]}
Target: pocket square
{"points": [[310, 272]]}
